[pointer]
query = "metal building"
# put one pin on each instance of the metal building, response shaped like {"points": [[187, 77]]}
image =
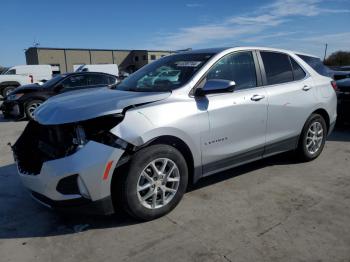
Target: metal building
{"points": [[64, 59]]}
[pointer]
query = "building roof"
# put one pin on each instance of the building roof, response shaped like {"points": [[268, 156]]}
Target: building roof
{"points": [[97, 49]]}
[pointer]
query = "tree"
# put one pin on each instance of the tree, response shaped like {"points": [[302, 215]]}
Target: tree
{"points": [[338, 58]]}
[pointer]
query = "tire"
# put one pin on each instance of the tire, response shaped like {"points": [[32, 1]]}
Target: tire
{"points": [[5, 92], [310, 146], [31, 106], [134, 180]]}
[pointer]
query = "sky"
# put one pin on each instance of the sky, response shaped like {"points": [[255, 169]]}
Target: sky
{"points": [[300, 25]]}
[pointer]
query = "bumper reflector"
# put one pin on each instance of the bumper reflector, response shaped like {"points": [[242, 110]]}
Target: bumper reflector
{"points": [[108, 168]]}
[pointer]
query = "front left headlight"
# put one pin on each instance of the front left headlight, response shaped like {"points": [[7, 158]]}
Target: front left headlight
{"points": [[14, 97]]}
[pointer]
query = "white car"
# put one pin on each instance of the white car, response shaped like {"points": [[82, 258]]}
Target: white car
{"points": [[22, 75], [136, 147]]}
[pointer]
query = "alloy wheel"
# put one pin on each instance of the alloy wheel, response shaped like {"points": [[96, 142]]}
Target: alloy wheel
{"points": [[32, 108], [158, 183], [314, 137]]}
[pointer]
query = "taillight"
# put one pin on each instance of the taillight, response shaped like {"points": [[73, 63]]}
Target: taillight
{"points": [[31, 79], [334, 85]]}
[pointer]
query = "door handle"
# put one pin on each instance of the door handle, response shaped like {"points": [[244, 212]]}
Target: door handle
{"points": [[257, 97], [306, 88]]}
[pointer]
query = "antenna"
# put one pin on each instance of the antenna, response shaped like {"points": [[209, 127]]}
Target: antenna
{"points": [[325, 52]]}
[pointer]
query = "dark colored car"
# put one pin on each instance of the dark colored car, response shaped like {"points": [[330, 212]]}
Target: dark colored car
{"points": [[343, 100], [342, 79], [23, 101]]}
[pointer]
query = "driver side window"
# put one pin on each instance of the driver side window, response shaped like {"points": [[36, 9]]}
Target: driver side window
{"points": [[238, 67]]}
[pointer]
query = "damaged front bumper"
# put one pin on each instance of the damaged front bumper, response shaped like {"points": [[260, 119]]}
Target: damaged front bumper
{"points": [[12, 109], [79, 181]]}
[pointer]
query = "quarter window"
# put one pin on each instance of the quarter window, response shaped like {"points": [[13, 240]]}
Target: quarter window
{"points": [[277, 68], [238, 67], [298, 72]]}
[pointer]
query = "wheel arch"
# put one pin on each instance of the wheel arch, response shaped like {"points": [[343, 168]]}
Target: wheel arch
{"points": [[325, 115], [180, 145], [120, 170], [9, 83]]}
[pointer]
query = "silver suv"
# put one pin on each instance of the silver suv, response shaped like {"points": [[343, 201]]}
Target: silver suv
{"points": [[137, 145]]}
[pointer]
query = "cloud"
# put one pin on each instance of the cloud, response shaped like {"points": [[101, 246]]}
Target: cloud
{"points": [[259, 21], [193, 5]]}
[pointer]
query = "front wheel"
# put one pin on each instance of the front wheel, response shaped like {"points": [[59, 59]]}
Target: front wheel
{"points": [[31, 107], [155, 182], [7, 90], [312, 138]]}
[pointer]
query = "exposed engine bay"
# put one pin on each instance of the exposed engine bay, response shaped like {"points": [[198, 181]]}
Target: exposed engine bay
{"points": [[40, 143]]}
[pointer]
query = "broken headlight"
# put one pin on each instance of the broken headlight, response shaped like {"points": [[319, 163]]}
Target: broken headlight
{"points": [[98, 130]]}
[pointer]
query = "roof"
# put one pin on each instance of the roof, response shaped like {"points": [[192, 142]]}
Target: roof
{"points": [[221, 49]]}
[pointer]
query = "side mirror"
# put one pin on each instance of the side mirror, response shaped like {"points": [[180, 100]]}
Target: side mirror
{"points": [[214, 86]]}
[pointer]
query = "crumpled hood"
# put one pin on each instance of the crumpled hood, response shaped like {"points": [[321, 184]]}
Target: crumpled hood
{"points": [[91, 103]]}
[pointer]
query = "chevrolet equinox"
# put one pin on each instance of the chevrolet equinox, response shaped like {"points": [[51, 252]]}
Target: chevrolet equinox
{"points": [[136, 146]]}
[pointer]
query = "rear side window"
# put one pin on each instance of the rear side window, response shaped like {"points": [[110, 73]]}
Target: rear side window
{"points": [[98, 80], [238, 67], [316, 64], [298, 72], [75, 81], [277, 68]]}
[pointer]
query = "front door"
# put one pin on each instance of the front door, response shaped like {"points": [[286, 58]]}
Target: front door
{"points": [[238, 119]]}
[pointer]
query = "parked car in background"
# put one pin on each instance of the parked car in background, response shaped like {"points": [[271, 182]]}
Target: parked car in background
{"points": [[340, 68], [339, 75], [111, 69], [22, 75], [23, 101], [343, 93], [137, 146]]}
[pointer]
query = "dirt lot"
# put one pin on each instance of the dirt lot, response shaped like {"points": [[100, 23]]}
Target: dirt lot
{"points": [[272, 210]]}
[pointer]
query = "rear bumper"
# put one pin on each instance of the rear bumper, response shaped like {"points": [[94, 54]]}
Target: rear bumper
{"points": [[57, 183]]}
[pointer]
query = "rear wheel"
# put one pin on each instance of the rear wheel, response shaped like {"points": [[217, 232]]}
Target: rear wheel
{"points": [[7, 90], [155, 182], [31, 107], [312, 138]]}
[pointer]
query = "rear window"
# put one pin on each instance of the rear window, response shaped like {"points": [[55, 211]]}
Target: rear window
{"points": [[316, 64], [278, 68]]}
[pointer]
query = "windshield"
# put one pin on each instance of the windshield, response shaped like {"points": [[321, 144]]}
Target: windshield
{"points": [[53, 81], [165, 74], [10, 72]]}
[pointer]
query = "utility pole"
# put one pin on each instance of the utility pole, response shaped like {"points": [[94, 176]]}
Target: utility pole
{"points": [[325, 52]]}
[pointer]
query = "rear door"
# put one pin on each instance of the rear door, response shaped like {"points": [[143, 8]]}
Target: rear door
{"points": [[291, 99], [237, 119]]}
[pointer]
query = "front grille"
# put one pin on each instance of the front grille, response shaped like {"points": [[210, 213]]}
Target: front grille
{"points": [[40, 143]]}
